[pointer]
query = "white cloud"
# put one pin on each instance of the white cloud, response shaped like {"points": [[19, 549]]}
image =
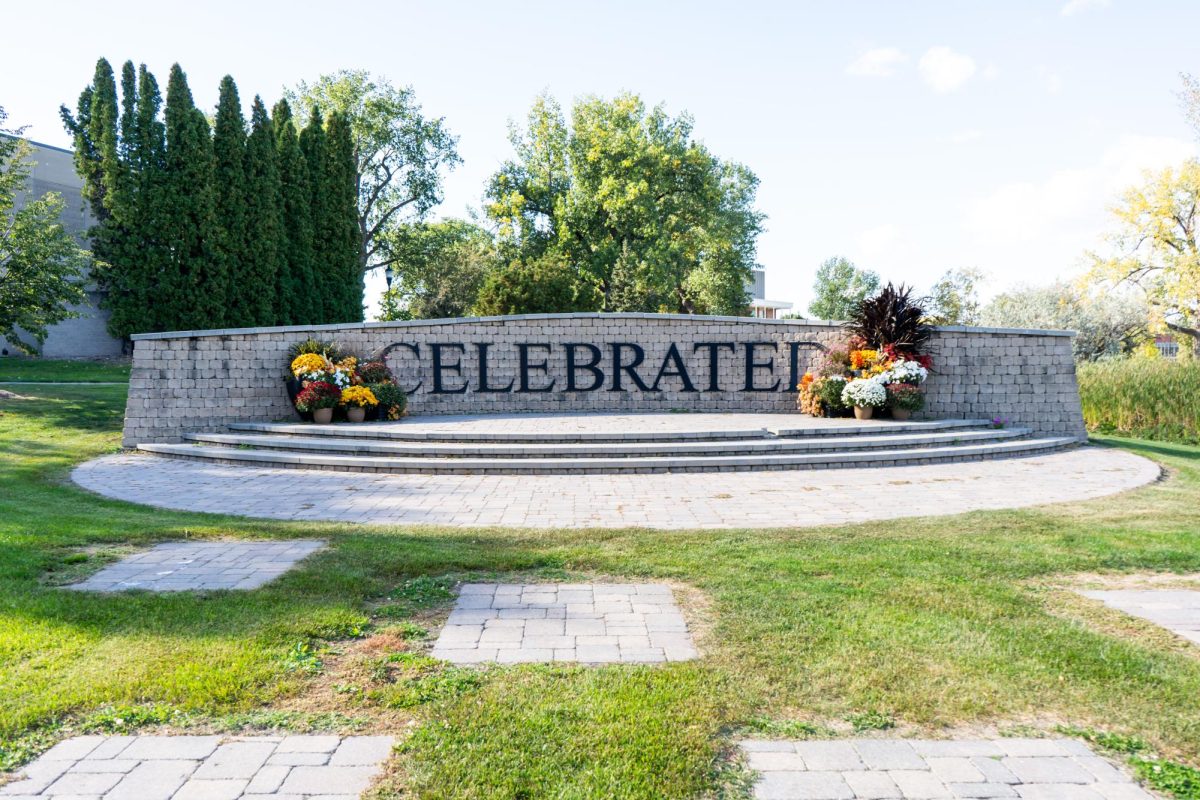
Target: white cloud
{"points": [[945, 70], [1037, 230], [882, 245], [878, 63], [1075, 6]]}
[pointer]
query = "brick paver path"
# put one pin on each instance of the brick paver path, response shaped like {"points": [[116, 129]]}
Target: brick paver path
{"points": [[1038, 769], [589, 622], [1177, 610], [681, 500], [203, 768], [184, 566]]}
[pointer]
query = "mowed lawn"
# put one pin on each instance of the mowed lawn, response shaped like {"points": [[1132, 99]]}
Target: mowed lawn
{"points": [[918, 626]]}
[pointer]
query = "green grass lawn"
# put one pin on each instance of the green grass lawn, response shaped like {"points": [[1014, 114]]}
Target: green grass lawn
{"points": [[926, 626], [13, 369]]}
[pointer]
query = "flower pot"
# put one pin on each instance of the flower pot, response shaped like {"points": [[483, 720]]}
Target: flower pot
{"points": [[863, 412], [356, 413], [293, 388], [901, 414], [322, 416]]}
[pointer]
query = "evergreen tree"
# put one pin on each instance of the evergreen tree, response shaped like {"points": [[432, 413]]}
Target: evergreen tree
{"points": [[342, 220], [147, 163], [233, 272], [295, 291], [265, 245], [325, 291], [191, 295]]}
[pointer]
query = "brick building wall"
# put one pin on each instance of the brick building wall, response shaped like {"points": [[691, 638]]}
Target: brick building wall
{"points": [[203, 380]]}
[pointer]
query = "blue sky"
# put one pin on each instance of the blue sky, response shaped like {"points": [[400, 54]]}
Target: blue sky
{"points": [[911, 137]]}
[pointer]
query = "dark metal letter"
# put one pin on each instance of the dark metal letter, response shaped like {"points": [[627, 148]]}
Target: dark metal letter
{"points": [[752, 365], [679, 370], [436, 349], [714, 361], [482, 347], [639, 355], [591, 366], [525, 366]]}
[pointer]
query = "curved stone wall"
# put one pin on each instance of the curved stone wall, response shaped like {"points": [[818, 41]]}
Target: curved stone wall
{"points": [[203, 380]]}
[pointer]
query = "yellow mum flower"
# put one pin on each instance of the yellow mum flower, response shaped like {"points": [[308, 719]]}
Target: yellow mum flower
{"points": [[309, 362], [359, 396]]}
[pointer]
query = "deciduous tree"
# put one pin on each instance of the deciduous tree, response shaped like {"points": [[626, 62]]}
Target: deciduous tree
{"points": [[401, 156], [629, 198], [1154, 245], [42, 266], [1106, 323], [439, 269], [954, 299], [839, 287]]}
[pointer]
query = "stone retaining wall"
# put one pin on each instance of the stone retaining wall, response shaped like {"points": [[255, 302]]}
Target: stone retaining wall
{"points": [[203, 380]]}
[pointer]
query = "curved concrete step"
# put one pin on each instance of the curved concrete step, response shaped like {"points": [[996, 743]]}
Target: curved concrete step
{"points": [[525, 450], [859, 458], [403, 431]]}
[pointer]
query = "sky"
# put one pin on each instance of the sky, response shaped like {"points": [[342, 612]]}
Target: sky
{"points": [[911, 137]]}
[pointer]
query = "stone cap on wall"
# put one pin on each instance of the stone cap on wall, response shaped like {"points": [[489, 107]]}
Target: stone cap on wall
{"points": [[803, 323]]}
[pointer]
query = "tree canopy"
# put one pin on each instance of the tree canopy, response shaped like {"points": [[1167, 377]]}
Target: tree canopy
{"points": [[1106, 323], [954, 298], [42, 266], [1154, 245], [546, 284], [400, 155], [439, 269], [201, 226], [839, 288], [628, 198]]}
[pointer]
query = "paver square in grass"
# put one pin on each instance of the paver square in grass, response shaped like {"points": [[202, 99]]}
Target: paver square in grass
{"points": [[1047, 769], [594, 623], [187, 566], [203, 768], [1177, 610]]}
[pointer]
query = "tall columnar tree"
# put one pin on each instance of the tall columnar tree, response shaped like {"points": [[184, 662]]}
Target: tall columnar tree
{"points": [[265, 242], [192, 291], [231, 230], [341, 224], [295, 292], [325, 289]]}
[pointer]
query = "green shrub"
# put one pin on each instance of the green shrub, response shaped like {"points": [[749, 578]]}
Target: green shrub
{"points": [[1149, 398], [392, 400]]}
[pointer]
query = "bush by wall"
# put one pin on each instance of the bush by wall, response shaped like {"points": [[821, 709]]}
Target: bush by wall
{"points": [[1144, 397]]}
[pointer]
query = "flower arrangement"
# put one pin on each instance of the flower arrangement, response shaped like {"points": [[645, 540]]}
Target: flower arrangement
{"points": [[828, 393], [318, 395], [863, 359], [391, 398], [356, 390], [905, 396], [309, 364], [905, 372], [865, 393], [359, 396], [371, 373]]}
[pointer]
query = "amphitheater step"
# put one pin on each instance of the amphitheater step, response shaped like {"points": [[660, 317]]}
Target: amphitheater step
{"points": [[430, 432], [526, 450], [576, 465]]}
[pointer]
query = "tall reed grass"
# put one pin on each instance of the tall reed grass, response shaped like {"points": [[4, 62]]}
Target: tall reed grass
{"points": [[1144, 397]]}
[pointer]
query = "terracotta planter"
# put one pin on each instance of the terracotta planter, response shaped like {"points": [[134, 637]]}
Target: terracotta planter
{"points": [[901, 414], [863, 412], [323, 416], [356, 413]]}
